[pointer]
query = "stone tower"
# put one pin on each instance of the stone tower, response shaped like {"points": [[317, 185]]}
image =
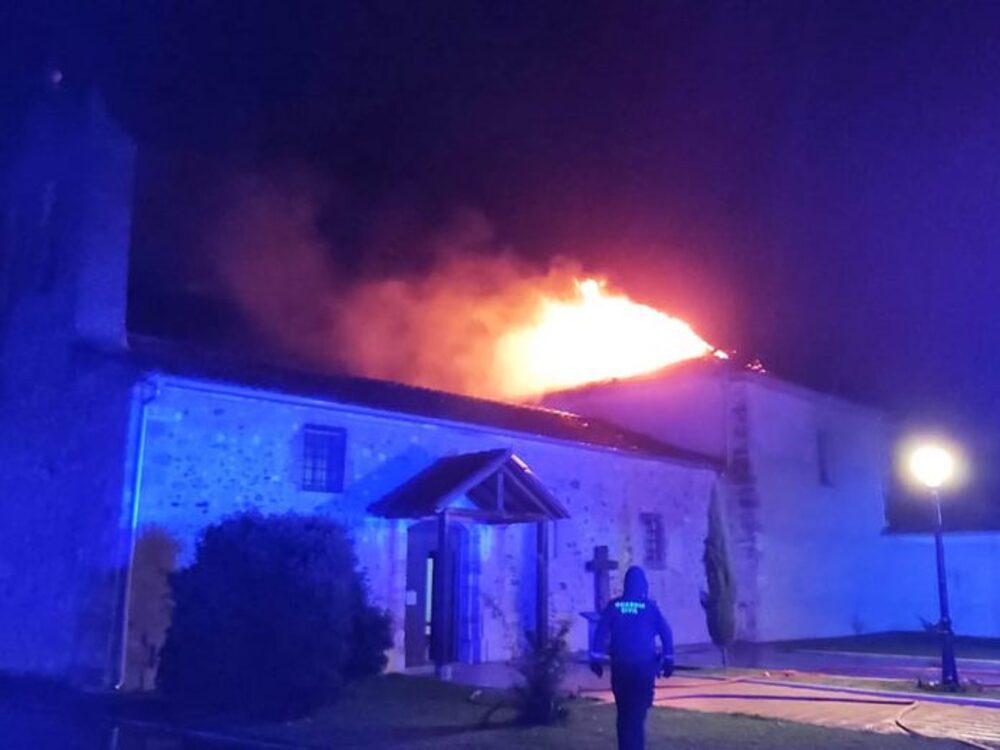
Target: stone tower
{"points": [[66, 200], [65, 388]]}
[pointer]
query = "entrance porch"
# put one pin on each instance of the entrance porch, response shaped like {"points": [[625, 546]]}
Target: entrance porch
{"points": [[446, 501]]}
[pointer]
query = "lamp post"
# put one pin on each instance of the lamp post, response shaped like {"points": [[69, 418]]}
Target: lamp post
{"points": [[933, 466]]}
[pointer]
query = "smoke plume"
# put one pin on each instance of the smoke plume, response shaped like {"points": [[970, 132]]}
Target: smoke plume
{"points": [[438, 328]]}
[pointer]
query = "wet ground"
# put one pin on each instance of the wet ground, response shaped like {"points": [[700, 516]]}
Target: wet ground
{"points": [[48, 718], [764, 657], [29, 728]]}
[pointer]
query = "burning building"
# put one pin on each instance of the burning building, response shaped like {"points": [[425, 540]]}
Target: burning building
{"points": [[108, 439]]}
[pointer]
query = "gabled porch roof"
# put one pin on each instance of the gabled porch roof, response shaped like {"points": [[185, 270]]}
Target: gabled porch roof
{"points": [[500, 488]]}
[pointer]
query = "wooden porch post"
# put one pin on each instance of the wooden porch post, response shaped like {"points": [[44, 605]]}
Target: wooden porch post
{"points": [[441, 616], [542, 583]]}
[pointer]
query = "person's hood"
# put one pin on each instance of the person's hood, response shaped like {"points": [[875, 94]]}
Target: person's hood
{"points": [[636, 585]]}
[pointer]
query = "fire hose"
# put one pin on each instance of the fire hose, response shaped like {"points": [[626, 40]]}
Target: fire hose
{"points": [[913, 732], [908, 705]]}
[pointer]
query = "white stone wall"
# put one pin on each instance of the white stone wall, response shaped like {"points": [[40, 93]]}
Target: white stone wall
{"points": [[908, 564], [214, 450], [820, 541], [827, 565], [685, 407], [812, 554], [691, 406]]}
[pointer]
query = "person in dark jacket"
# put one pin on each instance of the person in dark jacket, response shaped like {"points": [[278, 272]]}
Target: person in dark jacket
{"points": [[632, 624]]}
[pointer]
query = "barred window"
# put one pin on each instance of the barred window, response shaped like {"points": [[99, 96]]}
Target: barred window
{"points": [[323, 453], [654, 548]]}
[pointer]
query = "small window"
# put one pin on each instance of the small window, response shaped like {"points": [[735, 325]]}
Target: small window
{"points": [[654, 552], [823, 458], [323, 459]]}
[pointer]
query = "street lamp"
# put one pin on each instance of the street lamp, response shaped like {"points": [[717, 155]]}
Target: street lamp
{"points": [[933, 466]]}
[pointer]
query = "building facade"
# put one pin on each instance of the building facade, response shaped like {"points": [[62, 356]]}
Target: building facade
{"points": [[806, 481], [109, 443], [210, 448]]}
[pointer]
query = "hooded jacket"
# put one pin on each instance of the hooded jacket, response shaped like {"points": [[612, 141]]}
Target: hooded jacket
{"points": [[631, 623]]}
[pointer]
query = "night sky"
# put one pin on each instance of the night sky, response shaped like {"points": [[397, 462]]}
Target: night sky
{"points": [[816, 184]]}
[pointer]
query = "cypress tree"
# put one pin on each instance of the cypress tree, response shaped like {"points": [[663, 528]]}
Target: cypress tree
{"points": [[719, 601]]}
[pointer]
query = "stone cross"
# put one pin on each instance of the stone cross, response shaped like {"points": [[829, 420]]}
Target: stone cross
{"points": [[601, 566]]}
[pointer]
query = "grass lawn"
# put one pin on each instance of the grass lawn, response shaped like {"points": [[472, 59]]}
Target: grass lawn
{"points": [[409, 712], [903, 643]]}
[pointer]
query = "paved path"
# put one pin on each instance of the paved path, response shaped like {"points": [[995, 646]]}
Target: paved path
{"points": [[767, 656], [887, 713], [874, 711]]}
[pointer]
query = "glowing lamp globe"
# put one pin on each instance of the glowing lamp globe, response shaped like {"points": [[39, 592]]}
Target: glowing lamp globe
{"points": [[932, 465]]}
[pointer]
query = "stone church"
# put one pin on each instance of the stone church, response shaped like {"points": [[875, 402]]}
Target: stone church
{"points": [[474, 521]]}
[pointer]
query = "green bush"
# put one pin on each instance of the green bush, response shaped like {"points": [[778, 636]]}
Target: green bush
{"points": [[540, 699], [271, 619]]}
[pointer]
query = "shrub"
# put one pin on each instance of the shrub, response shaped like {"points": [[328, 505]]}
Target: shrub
{"points": [[150, 605], [540, 699], [271, 619]]}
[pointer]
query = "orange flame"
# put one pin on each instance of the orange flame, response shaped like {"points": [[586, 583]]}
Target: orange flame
{"points": [[480, 321], [593, 337]]}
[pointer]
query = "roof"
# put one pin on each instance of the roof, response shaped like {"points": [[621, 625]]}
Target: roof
{"points": [[701, 366], [156, 355], [500, 486], [713, 367]]}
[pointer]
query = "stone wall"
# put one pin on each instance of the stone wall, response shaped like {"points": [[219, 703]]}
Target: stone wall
{"points": [[827, 565], [212, 450], [805, 487], [910, 597], [65, 521], [820, 470], [65, 204], [697, 407]]}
